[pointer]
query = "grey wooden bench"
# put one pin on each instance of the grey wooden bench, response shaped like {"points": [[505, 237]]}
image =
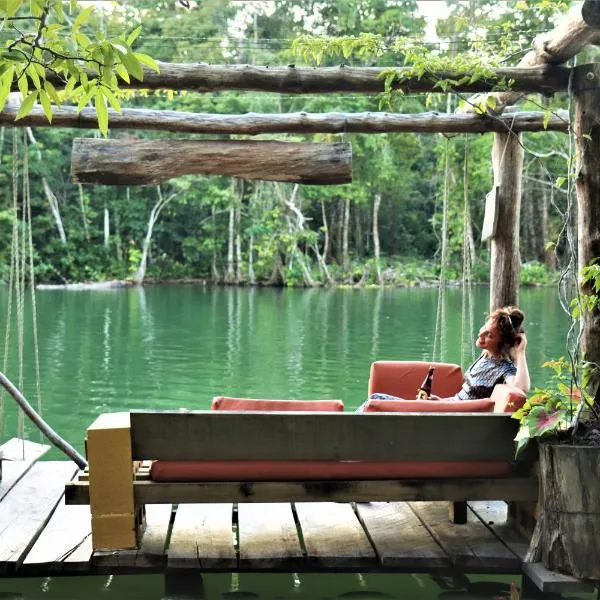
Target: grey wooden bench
{"points": [[117, 489]]}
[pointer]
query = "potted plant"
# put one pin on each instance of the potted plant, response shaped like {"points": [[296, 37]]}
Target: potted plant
{"points": [[564, 417]]}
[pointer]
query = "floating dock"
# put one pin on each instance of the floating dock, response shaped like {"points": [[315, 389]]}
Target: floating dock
{"points": [[41, 536]]}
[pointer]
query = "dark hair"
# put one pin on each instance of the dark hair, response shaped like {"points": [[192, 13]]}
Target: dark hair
{"points": [[509, 323]]}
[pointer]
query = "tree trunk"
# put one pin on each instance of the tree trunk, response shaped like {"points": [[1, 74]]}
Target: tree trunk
{"points": [[154, 214], [586, 88], [149, 162], [345, 235], [507, 160], [238, 246], [52, 199], [106, 226], [213, 264], [251, 275], [230, 243], [83, 212], [327, 240], [570, 535], [376, 249]]}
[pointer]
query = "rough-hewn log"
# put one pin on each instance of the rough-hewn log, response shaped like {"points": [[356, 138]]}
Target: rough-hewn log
{"points": [[328, 80], [554, 47], [507, 162], [586, 87], [570, 537], [256, 123], [148, 162]]}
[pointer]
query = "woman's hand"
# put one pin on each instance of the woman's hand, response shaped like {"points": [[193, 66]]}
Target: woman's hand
{"points": [[521, 343]]}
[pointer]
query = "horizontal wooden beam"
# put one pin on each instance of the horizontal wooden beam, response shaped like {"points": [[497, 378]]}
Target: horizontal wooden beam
{"points": [[146, 492], [301, 122], [201, 77], [213, 435], [149, 162]]}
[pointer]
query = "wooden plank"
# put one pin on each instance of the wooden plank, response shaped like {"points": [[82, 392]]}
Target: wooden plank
{"points": [[206, 435], [202, 538], [552, 582], [150, 557], [150, 162], [494, 516], [513, 488], [400, 539], [333, 537], [471, 546], [18, 456], [27, 508], [268, 537], [65, 544]]}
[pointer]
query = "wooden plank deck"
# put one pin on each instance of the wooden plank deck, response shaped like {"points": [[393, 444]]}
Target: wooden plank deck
{"points": [[40, 535]]}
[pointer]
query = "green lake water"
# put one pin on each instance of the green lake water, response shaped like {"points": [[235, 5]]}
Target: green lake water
{"points": [[168, 347]]}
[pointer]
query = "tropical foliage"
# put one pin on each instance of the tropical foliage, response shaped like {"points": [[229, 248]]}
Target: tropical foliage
{"points": [[222, 230]]}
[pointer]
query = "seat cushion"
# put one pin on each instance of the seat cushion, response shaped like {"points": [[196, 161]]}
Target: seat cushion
{"points": [[252, 404], [485, 405], [403, 378]]}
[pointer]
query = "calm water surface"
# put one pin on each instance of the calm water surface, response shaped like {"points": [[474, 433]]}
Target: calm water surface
{"points": [[178, 346]]}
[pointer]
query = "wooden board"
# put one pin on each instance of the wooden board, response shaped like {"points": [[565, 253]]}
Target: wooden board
{"points": [[150, 557], [18, 456], [333, 537], [472, 546], [27, 508], [400, 539], [494, 516], [202, 538], [214, 435], [65, 544], [552, 582], [268, 537]]}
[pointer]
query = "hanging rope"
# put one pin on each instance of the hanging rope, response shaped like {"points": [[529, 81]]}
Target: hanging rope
{"points": [[440, 321], [467, 313], [29, 229]]}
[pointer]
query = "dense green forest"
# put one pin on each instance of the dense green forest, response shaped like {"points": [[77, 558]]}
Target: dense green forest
{"points": [[233, 231]]}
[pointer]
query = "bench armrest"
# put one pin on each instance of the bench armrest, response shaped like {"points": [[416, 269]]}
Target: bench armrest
{"points": [[507, 398]]}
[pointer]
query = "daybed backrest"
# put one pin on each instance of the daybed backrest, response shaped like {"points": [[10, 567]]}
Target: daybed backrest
{"points": [[403, 378], [223, 435], [254, 404]]}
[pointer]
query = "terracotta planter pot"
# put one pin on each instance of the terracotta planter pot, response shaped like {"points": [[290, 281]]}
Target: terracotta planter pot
{"points": [[570, 541]]}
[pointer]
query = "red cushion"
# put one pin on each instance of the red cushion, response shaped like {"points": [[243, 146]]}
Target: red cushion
{"points": [[373, 405], [227, 403], [306, 470], [403, 378]]}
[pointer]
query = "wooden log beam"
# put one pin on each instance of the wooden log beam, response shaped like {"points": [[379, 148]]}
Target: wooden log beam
{"points": [[572, 34], [256, 123], [149, 162], [586, 88], [505, 263], [328, 80]]}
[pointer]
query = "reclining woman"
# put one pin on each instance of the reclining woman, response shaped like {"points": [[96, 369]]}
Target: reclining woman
{"points": [[503, 359]]}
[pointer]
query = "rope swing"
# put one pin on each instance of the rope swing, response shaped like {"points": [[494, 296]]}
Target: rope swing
{"points": [[22, 257]]}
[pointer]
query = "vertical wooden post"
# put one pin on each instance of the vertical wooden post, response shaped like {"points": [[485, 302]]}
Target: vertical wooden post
{"points": [[507, 161], [586, 89], [115, 518]]}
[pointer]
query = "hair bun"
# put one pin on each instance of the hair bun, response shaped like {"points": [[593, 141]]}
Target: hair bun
{"points": [[516, 316]]}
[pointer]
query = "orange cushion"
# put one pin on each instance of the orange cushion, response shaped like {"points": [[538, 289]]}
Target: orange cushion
{"points": [[296, 470], [485, 405], [227, 403], [403, 378]]}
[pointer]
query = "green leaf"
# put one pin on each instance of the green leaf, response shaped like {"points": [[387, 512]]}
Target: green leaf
{"points": [[147, 60], [122, 72], [46, 105], [546, 118], [33, 74], [111, 99], [560, 181], [23, 84], [82, 17], [27, 105], [85, 98], [51, 91], [133, 35], [133, 66], [101, 112], [5, 85]]}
